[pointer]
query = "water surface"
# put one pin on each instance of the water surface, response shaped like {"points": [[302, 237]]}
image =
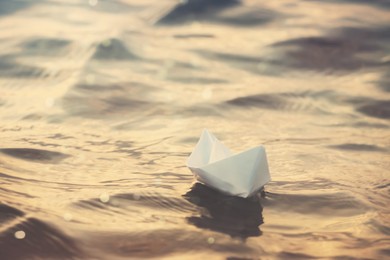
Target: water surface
{"points": [[101, 102]]}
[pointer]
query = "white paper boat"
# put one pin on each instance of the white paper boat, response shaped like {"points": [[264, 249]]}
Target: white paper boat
{"points": [[241, 174]]}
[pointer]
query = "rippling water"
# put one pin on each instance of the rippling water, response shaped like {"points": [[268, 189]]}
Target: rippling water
{"points": [[101, 102]]}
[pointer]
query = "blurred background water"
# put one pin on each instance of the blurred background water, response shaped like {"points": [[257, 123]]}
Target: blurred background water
{"points": [[101, 102]]}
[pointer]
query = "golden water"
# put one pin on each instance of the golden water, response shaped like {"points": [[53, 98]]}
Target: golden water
{"points": [[101, 102]]}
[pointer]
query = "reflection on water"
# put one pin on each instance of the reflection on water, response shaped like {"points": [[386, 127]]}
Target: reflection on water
{"points": [[101, 102], [235, 216]]}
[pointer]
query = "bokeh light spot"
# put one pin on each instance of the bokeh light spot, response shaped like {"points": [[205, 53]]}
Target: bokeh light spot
{"points": [[20, 234], [136, 196], [93, 2], [104, 197], [68, 216]]}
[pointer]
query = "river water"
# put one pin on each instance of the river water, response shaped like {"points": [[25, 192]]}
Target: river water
{"points": [[102, 101]]}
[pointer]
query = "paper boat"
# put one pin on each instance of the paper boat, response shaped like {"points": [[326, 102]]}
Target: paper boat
{"points": [[241, 174]]}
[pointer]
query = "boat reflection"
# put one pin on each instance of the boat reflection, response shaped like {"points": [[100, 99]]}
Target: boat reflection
{"points": [[235, 216]]}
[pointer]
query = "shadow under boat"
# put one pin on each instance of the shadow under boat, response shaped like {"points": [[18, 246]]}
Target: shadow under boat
{"points": [[235, 216]]}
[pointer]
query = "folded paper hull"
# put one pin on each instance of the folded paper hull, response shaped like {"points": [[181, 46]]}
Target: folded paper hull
{"points": [[242, 174]]}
